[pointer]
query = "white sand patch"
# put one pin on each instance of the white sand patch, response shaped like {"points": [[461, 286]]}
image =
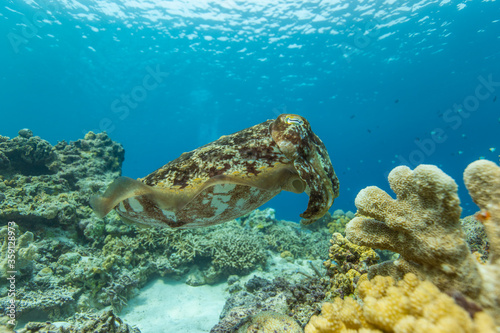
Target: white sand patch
{"points": [[165, 306]]}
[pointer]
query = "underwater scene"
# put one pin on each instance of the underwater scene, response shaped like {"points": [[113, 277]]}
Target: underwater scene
{"points": [[250, 166]]}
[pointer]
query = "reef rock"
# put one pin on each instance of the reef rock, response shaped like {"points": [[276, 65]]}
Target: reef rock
{"points": [[41, 183]]}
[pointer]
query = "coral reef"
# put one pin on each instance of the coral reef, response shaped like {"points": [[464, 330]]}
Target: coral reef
{"points": [[482, 179], [347, 262], [409, 305], [423, 226], [236, 252], [45, 190], [73, 263], [49, 303], [50, 185]]}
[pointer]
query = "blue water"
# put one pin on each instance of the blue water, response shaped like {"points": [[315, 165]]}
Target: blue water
{"points": [[378, 80]]}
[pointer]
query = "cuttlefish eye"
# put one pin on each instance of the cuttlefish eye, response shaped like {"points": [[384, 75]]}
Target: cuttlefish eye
{"points": [[293, 120]]}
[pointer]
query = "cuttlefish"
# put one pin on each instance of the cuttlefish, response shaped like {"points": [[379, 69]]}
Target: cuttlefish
{"points": [[228, 178]]}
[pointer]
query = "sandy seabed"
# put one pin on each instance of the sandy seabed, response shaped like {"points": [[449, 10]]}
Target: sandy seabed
{"points": [[166, 305]]}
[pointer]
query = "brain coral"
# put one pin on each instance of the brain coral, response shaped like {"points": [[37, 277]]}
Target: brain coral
{"points": [[423, 226], [408, 306]]}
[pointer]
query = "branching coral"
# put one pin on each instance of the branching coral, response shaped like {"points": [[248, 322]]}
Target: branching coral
{"points": [[409, 306], [423, 226], [237, 252]]}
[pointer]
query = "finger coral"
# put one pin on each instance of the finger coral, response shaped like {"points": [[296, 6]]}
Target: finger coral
{"points": [[409, 305], [482, 179], [423, 225]]}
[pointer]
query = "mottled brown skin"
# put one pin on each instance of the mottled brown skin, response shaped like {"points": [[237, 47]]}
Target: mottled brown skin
{"points": [[228, 178], [246, 153]]}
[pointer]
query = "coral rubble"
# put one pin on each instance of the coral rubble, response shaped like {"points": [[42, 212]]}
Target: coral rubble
{"points": [[423, 226], [476, 237]]}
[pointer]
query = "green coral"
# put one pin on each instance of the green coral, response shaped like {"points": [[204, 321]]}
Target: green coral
{"points": [[347, 262], [475, 235]]}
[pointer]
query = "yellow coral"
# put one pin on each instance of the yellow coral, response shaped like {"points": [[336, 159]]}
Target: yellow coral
{"points": [[409, 306], [346, 262], [422, 224]]}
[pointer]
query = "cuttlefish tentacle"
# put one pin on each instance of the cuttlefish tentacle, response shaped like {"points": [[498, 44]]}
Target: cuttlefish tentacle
{"points": [[310, 158], [318, 189]]}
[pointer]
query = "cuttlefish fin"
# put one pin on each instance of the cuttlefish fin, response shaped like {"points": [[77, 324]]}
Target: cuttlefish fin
{"points": [[217, 180], [121, 189], [280, 178]]}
